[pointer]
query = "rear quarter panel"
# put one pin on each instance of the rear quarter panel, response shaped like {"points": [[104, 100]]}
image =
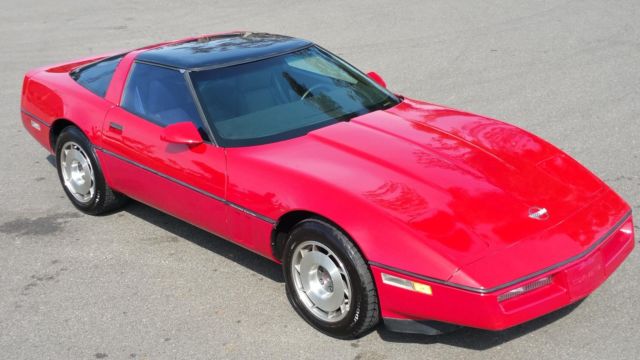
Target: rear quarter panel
{"points": [[49, 94]]}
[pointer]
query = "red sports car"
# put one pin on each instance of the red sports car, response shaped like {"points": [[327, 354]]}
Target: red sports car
{"points": [[377, 206]]}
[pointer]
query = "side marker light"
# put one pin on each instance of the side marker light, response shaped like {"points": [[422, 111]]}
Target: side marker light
{"points": [[406, 284]]}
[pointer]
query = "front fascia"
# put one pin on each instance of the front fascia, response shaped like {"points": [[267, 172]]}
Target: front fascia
{"points": [[571, 282]]}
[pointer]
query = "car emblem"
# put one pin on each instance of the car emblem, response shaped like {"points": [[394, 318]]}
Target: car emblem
{"points": [[538, 213]]}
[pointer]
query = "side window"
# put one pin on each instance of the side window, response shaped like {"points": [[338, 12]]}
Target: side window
{"points": [[160, 95], [97, 76]]}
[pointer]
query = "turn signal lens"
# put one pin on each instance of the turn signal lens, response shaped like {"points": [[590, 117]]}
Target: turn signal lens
{"points": [[525, 288], [406, 284], [422, 288]]}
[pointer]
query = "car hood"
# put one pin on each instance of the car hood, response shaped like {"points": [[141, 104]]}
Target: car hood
{"points": [[465, 184]]}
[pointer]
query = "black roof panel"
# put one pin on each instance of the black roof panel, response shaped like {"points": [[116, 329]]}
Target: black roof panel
{"points": [[221, 50]]}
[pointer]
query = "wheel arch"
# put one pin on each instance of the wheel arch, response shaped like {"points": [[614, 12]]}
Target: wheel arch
{"points": [[289, 220], [57, 127]]}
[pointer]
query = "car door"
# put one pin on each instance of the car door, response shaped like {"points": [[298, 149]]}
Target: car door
{"points": [[187, 181]]}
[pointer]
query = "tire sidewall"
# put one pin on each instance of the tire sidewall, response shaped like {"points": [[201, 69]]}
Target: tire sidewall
{"points": [[335, 240], [73, 134]]}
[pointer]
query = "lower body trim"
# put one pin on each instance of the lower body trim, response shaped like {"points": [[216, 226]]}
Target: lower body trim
{"points": [[423, 327]]}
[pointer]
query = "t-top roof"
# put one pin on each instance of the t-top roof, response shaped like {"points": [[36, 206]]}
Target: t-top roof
{"points": [[222, 50]]}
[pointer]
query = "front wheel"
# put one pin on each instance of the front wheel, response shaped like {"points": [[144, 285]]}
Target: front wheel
{"points": [[328, 282], [81, 176]]}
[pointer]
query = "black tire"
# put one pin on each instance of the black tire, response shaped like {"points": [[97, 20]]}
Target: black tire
{"points": [[363, 313], [103, 199]]}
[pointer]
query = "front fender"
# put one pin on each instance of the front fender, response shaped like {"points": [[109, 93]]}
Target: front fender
{"points": [[273, 190]]}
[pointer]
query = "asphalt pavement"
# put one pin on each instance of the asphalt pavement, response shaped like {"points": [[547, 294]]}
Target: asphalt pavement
{"points": [[139, 284]]}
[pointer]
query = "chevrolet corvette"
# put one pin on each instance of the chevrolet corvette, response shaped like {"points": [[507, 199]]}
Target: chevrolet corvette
{"points": [[380, 208]]}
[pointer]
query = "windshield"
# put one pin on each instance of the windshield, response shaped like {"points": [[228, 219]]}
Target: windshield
{"points": [[284, 96]]}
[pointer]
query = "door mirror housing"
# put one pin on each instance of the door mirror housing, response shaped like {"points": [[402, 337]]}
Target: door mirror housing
{"points": [[377, 78], [182, 133]]}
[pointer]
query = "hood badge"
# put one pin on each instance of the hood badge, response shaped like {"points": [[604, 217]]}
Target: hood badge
{"points": [[538, 213]]}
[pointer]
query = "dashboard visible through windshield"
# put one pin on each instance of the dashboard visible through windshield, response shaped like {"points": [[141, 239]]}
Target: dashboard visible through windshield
{"points": [[284, 96]]}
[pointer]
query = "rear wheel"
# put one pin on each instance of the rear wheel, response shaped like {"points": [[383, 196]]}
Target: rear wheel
{"points": [[81, 176], [328, 282]]}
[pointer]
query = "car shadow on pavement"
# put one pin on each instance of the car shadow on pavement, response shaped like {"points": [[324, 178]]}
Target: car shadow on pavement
{"points": [[476, 339], [469, 338], [202, 238], [206, 240]]}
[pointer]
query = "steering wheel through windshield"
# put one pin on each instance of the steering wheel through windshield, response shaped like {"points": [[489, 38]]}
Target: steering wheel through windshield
{"points": [[317, 86]]}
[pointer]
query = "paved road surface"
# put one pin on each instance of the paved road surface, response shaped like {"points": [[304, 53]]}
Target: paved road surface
{"points": [[139, 284]]}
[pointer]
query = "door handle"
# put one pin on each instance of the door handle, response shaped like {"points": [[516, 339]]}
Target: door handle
{"points": [[116, 126]]}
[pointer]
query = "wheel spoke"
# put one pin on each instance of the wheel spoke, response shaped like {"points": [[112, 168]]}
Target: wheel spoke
{"points": [[321, 281]]}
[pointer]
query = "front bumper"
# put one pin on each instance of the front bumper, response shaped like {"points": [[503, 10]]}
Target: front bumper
{"points": [[449, 304]]}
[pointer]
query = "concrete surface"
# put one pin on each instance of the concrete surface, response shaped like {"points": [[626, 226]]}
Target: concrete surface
{"points": [[139, 284]]}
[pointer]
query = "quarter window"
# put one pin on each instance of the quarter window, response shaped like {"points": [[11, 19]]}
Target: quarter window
{"points": [[160, 95], [96, 77]]}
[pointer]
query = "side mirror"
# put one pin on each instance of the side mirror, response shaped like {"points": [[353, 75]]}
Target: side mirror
{"points": [[377, 78], [181, 133]]}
